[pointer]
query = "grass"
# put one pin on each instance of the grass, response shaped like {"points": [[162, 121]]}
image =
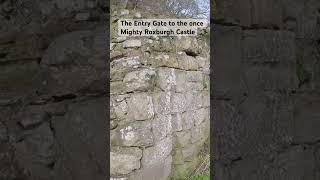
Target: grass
{"points": [[202, 172], [200, 177]]}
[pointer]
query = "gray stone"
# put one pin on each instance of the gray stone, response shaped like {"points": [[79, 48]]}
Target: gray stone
{"points": [[177, 122], [120, 67], [137, 15], [187, 62], [178, 103], [124, 160], [133, 134], [132, 43], [160, 171], [140, 106], [189, 81], [200, 133], [125, 12], [162, 126], [195, 117], [189, 45], [197, 100], [183, 138], [162, 102], [121, 110], [166, 78], [190, 152], [139, 80], [158, 153]]}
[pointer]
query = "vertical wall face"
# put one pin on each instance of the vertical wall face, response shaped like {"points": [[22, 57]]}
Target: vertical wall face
{"points": [[159, 103], [265, 89]]}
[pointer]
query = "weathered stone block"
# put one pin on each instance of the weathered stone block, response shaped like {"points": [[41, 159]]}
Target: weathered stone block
{"points": [[188, 44], [121, 109], [200, 133], [190, 152], [187, 62], [189, 81], [162, 126], [177, 122], [197, 100], [132, 43], [178, 103], [183, 138], [196, 117], [162, 102], [124, 160], [120, 67], [157, 154], [133, 134], [140, 106], [160, 171], [166, 78], [139, 80]]}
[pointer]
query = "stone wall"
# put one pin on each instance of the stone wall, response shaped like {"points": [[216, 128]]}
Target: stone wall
{"points": [[265, 89], [159, 103], [53, 94]]}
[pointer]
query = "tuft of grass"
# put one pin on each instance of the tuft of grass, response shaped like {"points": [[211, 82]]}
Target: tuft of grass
{"points": [[200, 177]]}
